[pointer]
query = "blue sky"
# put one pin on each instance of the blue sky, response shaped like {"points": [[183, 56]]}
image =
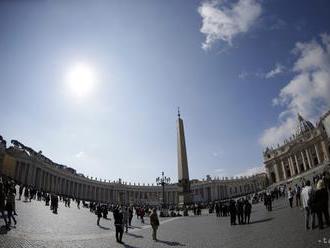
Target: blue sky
{"points": [[239, 70]]}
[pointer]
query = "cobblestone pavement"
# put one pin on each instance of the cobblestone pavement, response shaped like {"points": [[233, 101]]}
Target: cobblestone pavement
{"points": [[283, 227]]}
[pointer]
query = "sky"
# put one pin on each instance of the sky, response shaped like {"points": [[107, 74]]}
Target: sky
{"points": [[95, 85]]}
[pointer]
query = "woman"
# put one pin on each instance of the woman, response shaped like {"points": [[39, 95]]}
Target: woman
{"points": [[154, 222], [10, 207], [290, 196]]}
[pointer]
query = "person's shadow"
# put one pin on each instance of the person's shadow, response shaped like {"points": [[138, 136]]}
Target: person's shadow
{"points": [[104, 228], [260, 221], [3, 230], [170, 243], [134, 235]]}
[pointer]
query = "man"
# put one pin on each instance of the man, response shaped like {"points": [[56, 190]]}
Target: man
{"points": [[321, 198], [297, 193], [2, 202], [125, 218], [98, 213], [232, 211], [154, 222], [306, 197], [247, 211], [118, 217]]}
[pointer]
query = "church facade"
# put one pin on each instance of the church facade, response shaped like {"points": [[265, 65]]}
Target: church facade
{"points": [[305, 154]]}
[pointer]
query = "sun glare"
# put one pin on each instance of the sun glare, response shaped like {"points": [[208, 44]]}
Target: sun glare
{"points": [[81, 80]]}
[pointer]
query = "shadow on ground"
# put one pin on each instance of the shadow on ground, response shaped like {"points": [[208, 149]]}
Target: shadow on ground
{"points": [[3, 230], [260, 221], [170, 243], [134, 235]]}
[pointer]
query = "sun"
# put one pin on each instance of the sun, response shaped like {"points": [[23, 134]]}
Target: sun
{"points": [[81, 79]]}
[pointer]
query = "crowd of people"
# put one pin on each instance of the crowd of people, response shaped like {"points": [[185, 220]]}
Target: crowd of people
{"points": [[308, 195]]}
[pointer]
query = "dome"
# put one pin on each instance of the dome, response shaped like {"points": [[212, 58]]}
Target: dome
{"points": [[303, 125]]}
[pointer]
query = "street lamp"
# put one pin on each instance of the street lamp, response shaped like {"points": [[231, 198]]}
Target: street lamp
{"points": [[163, 181]]}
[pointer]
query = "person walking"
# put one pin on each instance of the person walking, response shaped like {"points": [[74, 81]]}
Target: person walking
{"points": [[290, 196], [2, 202], [306, 194], [98, 212], [247, 211], [232, 211], [297, 194], [10, 207], [154, 222], [130, 217], [125, 218], [321, 198], [118, 221]]}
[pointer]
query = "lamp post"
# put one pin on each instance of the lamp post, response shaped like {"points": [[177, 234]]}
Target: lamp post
{"points": [[163, 181]]}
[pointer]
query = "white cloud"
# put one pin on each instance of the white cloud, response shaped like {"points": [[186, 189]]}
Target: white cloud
{"points": [[220, 172], [223, 22], [243, 75], [278, 69], [279, 24], [80, 155], [308, 93], [252, 171]]}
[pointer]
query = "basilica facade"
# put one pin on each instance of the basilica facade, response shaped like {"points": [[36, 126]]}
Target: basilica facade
{"points": [[304, 154]]}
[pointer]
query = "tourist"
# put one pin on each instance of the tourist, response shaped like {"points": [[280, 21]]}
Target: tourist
{"points": [[142, 213], [321, 198], [10, 207], [130, 217], [20, 191], [247, 211], [118, 221], [239, 211], [98, 212], [217, 209], [2, 202], [125, 218], [232, 211], [290, 196], [297, 194], [26, 194], [154, 222], [306, 203]]}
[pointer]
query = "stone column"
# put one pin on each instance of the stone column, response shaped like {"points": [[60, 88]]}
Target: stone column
{"points": [[317, 153], [308, 159], [290, 167], [285, 176], [304, 161], [297, 164], [277, 174], [325, 151]]}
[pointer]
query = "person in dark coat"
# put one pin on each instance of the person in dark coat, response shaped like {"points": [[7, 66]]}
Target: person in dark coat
{"points": [[232, 211], [10, 207], [130, 217], [247, 211], [98, 212], [154, 222], [2, 202], [239, 211], [118, 221], [321, 198]]}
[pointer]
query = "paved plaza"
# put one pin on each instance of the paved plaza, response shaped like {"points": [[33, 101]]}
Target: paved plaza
{"points": [[71, 227]]}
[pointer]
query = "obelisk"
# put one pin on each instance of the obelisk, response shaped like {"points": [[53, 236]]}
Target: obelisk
{"points": [[183, 173]]}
